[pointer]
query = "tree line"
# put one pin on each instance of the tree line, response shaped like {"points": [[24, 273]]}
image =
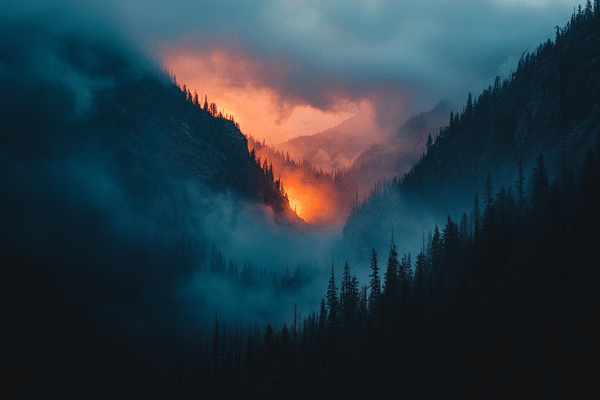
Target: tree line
{"points": [[488, 306]]}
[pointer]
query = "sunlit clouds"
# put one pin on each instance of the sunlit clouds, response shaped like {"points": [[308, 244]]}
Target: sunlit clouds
{"points": [[233, 82]]}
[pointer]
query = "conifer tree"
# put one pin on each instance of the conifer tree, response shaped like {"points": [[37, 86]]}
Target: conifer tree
{"points": [[429, 143], [469, 108], [345, 289], [332, 300], [521, 186], [450, 243], [539, 184], [420, 266], [496, 89], [375, 284], [588, 9], [390, 277], [322, 323]]}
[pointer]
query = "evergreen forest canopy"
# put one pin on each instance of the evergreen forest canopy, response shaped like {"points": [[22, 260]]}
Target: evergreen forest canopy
{"points": [[498, 302], [549, 105]]}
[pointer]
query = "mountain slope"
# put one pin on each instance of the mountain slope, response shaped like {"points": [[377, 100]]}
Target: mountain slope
{"points": [[106, 174], [551, 105], [337, 147]]}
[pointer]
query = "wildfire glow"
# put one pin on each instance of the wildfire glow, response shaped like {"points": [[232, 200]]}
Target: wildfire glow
{"points": [[313, 203], [305, 201], [234, 82], [237, 84]]}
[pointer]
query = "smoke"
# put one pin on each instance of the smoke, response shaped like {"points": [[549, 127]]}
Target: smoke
{"points": [[401, 57], [100, 212]]}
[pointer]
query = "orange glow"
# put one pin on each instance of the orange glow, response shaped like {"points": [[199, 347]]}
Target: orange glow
{"points": [[304, 199], [316, 201], [235, 83], [250, 89]]}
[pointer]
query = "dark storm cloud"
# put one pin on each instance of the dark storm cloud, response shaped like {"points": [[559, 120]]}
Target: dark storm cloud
{"points": [[61, 197], [403, 56], [413, 51]]}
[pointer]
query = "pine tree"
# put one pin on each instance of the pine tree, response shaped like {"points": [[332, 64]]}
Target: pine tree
{"points": [[450, 237], [496, 89], [469, 109], [420, 266], [375, 284], [345, 289], [332, 301], [429, 143], [404, 279], [390, 277], [521, 186], [539, 184]]}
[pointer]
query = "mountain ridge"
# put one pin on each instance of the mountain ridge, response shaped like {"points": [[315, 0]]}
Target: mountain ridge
{"points": [[550, 105]]}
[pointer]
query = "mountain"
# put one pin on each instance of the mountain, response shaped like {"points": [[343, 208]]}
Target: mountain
{"points": [[550, 105], [394, 156], [112, 181], [335, 148]]}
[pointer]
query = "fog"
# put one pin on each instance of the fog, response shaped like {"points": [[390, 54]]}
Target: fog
{"points": [[94, 210], [70, 212]]}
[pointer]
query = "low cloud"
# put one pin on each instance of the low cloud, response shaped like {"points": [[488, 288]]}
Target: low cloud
{"points": [[400, 56]]}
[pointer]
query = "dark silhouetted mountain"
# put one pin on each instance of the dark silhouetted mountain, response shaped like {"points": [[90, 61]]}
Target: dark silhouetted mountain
{"points": [[550, 105], [106, 166]]}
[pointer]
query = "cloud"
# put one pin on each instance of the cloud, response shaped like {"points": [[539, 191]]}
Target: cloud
{"points": [[60, 193], [402, 56]]}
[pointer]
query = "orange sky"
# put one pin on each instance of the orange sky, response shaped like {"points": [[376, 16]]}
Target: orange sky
{"points": [[231, 81]]}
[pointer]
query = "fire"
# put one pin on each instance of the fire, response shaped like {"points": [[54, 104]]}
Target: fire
{"points": [[311, 203], [314, 198], [304, 201], [237, 83]]}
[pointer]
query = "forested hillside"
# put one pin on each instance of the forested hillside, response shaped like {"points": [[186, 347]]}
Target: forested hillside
{"points": [[116, 184], [106, 169], [549, 105], [501, 307]]}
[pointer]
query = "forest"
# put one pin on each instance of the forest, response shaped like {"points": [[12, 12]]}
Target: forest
{"points": [[149, 248], [487, 302]]}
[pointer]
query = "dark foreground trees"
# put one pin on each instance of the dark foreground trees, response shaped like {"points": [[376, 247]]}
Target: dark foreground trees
{"points": [[511, 312]]}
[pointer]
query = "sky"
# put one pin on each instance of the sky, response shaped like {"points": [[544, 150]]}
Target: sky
{"points": [[290, 68]]}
